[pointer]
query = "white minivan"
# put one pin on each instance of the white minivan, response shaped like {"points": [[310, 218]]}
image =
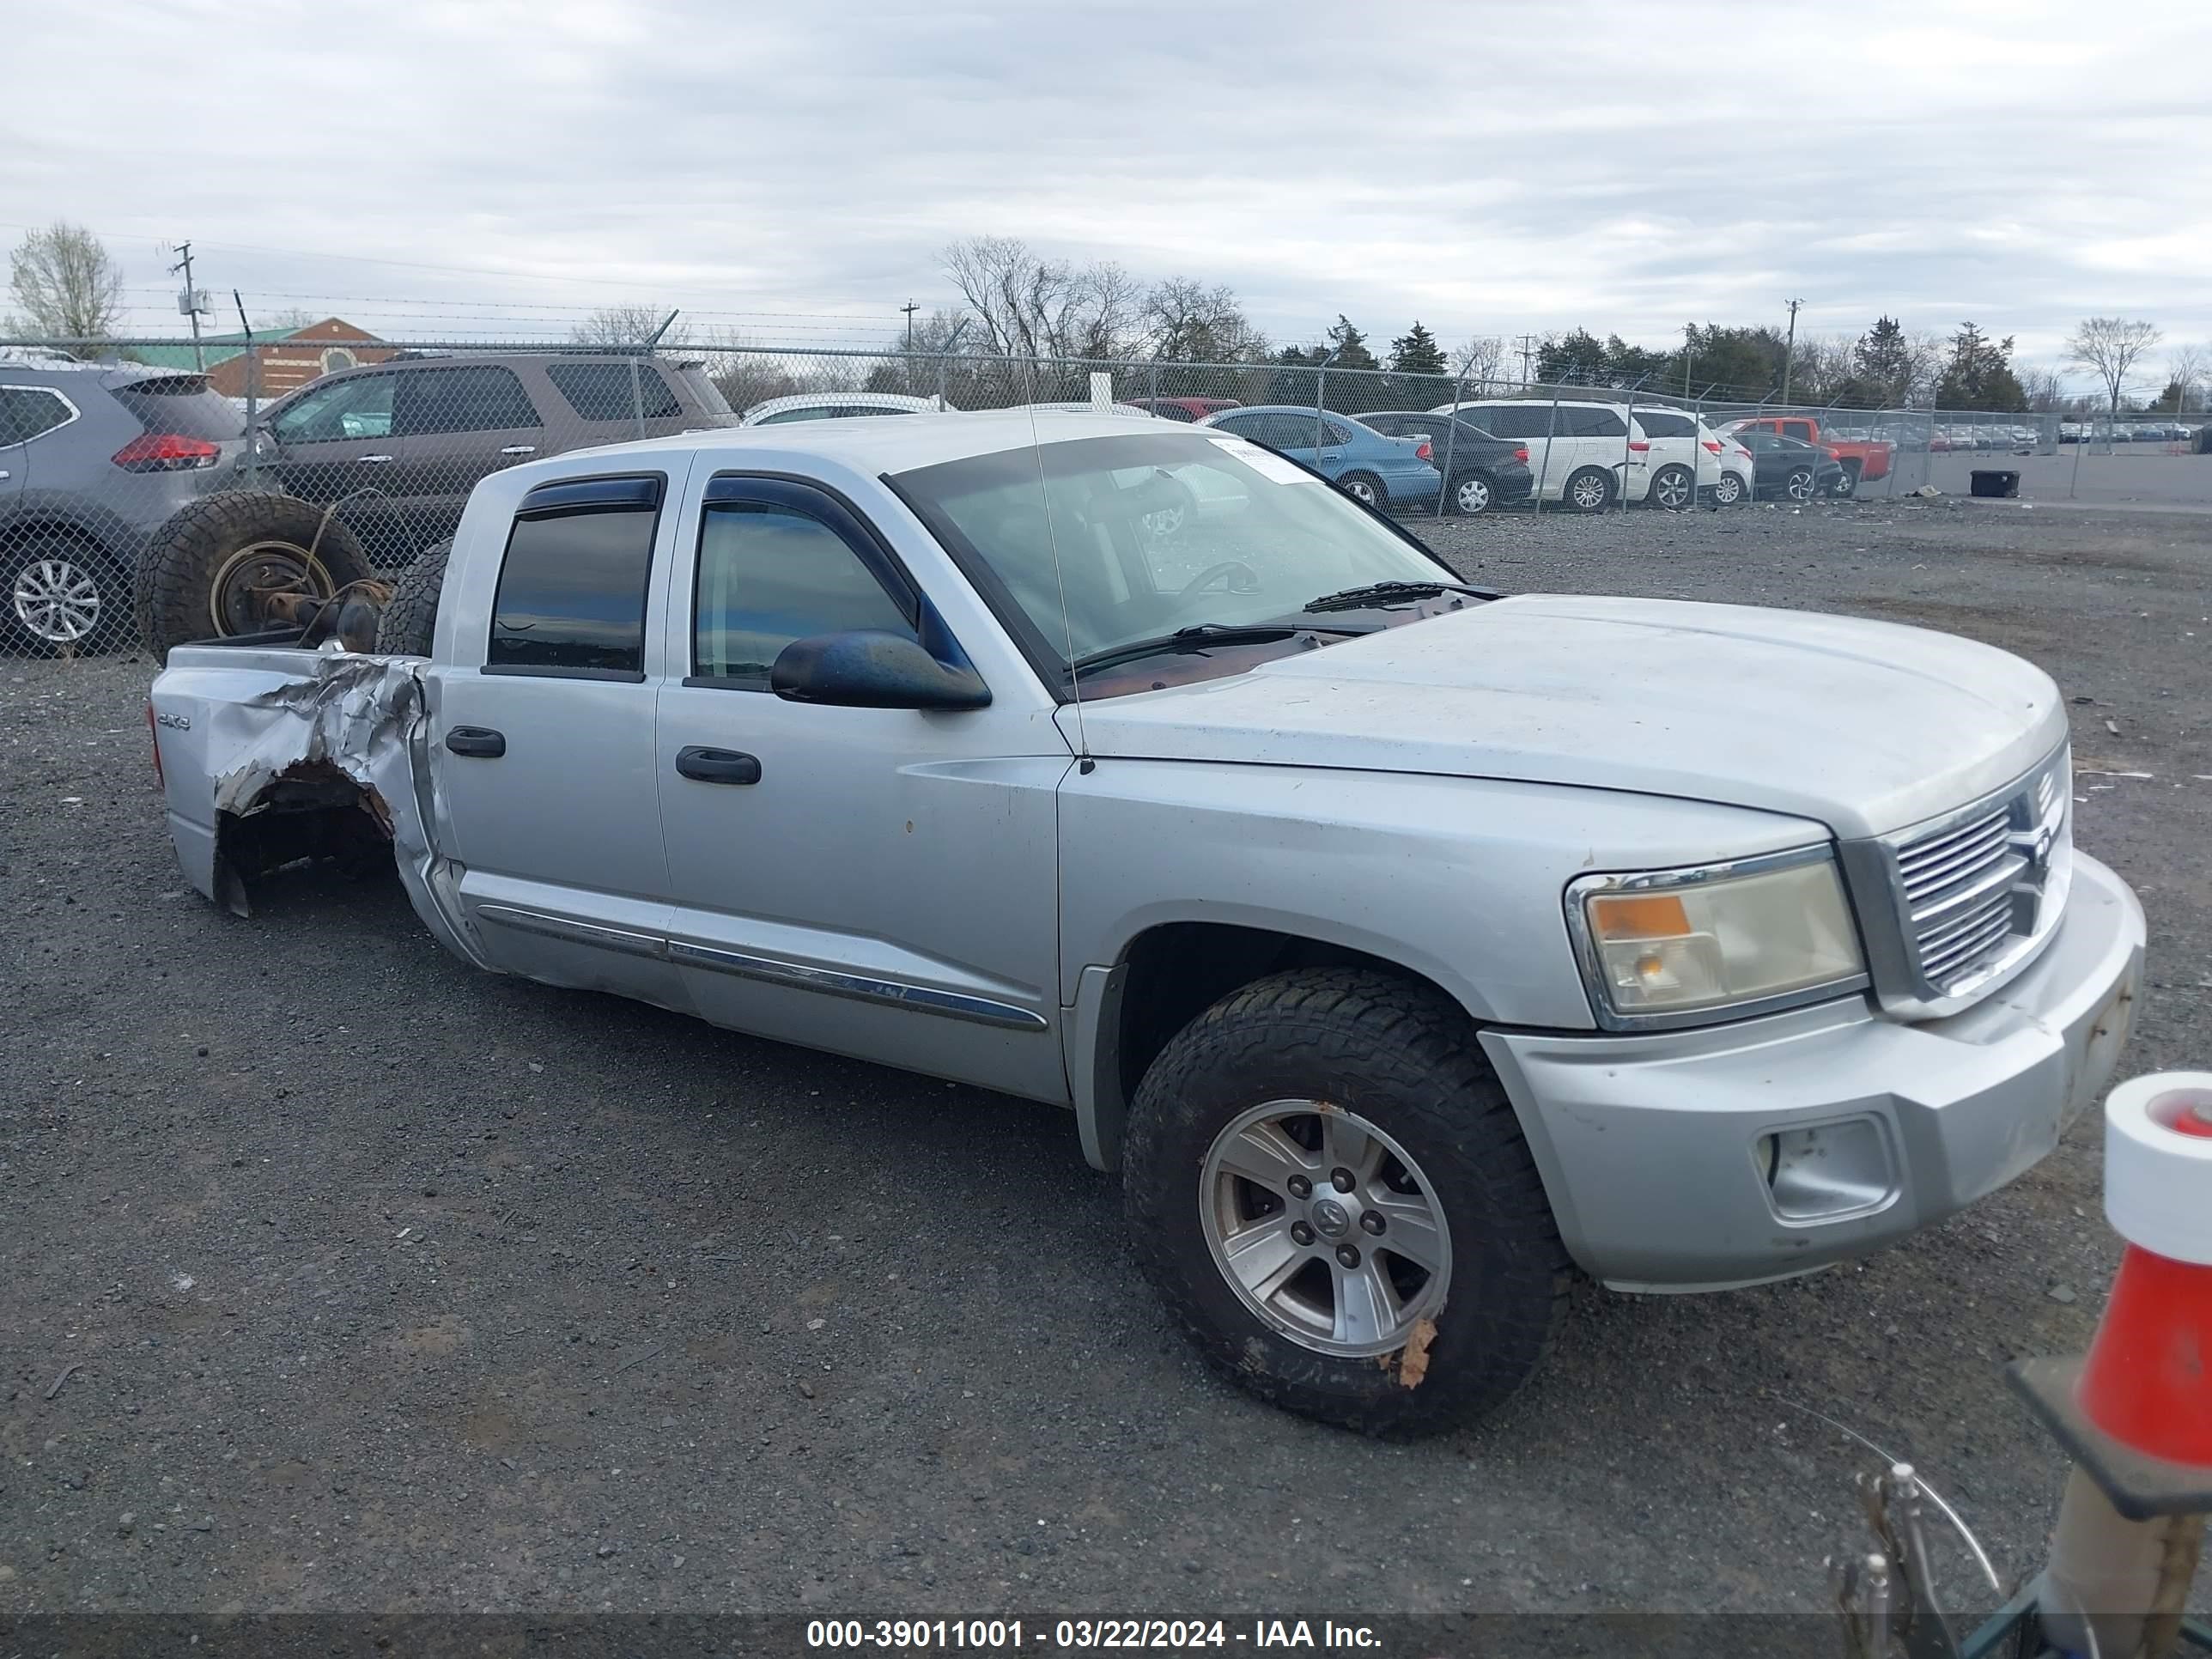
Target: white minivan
{"points": [[1584, 453]]}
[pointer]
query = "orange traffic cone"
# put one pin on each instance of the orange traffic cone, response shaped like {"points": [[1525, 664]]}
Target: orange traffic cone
{"points": [[2147, 1381], [2131, 1522]]}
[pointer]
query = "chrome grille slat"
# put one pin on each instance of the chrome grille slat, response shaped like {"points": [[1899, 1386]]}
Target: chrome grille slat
{"points": [[1924, 879], [1936, 848], [1969, 943], [1970, 892]]}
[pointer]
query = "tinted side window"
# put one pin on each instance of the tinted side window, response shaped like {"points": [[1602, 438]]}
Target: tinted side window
{"points": [[1513, 420], [1799, 429], [572, 594], [1595, 424], [1661, 423], [26, 411], [769, 575], [358, 408], [602, 391], [479, 398]]}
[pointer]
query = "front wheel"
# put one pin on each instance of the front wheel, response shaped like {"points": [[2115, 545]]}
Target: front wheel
{"points": [[1800, 485], [1728, 490], [1326, 1183], [1675, 488], [1365, 489]]}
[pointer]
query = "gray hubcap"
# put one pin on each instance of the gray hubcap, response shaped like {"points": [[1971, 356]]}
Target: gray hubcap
{"points": [[1674, 490], [1362, 491], [1727, 489], [1473, 494], [1324, 1227], [1588, 492], [56, 600]]}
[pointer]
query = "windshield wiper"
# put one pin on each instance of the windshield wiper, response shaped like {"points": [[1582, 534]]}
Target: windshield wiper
{"points": [[1358, 599], [1201, 636]]}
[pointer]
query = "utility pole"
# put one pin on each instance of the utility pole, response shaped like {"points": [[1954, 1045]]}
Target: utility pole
{"points": [[1527, 358], [1788, 351], [189, 302], [909, 307]]}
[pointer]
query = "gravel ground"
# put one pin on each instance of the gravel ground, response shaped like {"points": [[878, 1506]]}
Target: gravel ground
{"points": [[336, 1276]]}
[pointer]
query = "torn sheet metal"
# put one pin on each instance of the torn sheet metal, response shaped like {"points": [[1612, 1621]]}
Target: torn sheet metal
{"points": [[330, 729]]}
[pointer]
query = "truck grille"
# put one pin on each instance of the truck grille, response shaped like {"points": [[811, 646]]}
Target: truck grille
{"points": [[1981, 889]]}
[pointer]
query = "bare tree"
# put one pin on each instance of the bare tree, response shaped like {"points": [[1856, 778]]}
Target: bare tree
{"points": [[2110, 348], [67, 286], [2045, 393], [1029, 306], [1925, 353], [1479, 358], [2184, 367], [618, 325], [1185, 321]]}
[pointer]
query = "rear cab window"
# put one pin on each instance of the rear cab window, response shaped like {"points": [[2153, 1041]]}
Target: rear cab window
{"points": [[572, 584]]}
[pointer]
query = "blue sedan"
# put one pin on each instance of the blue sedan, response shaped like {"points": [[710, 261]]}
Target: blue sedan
{"points": [[1384, 473]]}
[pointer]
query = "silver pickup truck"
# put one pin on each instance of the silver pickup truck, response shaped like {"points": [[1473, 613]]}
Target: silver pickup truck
{"points": [[1403, 945]]}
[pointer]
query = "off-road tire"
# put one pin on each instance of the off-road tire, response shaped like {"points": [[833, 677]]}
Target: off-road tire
{"points": [[179, 570], [410, 620], [1589, 500], [1404, 1057]]}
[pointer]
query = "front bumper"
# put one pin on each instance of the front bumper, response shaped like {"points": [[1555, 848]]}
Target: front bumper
{"points": [[1650, 1145]]}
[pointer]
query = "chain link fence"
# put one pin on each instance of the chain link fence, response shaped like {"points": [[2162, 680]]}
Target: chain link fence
{"points": [[105, 445]]}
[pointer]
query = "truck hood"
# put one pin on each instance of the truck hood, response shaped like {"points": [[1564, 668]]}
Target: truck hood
{"points": [[1865, 726]]}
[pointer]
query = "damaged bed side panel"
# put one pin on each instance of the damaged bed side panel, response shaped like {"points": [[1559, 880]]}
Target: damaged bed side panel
{"points": [[273, 755]]}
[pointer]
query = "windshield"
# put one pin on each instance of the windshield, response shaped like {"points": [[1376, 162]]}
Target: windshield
{"points": [[1154, 531]]}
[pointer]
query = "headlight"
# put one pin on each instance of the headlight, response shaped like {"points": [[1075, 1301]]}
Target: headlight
{"points": [[1676, 941]]}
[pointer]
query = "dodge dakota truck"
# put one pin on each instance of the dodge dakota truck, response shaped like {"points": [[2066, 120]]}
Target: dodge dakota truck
{"points": [[1404, 946]]}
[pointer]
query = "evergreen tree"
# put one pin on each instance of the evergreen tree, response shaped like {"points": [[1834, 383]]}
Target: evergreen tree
{"points": [[1979, 375], [1350, 346], [1883, 359], [1416, 352]]}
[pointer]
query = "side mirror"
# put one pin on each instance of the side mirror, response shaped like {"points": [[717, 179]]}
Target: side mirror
{"points": [[864, 668]]}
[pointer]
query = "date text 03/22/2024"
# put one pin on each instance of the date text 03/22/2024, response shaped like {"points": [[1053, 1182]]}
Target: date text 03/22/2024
{"points": [[1013, 1634]]}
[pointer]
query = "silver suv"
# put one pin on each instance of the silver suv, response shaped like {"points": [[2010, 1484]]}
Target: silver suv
{"points": [[92, 457]]}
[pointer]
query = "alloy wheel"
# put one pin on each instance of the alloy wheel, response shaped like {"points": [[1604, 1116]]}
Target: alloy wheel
{"points": [[1325, 1227], [56, 600]]}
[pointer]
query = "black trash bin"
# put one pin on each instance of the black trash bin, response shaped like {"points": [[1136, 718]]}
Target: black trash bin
{"points": [[1993, 480]]}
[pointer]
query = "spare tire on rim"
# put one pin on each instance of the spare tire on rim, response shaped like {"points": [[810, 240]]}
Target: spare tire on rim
{"points": [[197, 576], [410, 619]]}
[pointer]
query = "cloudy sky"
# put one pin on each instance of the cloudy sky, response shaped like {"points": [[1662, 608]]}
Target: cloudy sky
{"points": [[489, 167]]}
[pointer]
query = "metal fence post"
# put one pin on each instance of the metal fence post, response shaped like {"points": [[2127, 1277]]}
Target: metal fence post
{"points": [[1451, 437], [1551, 430], [252, 390]]}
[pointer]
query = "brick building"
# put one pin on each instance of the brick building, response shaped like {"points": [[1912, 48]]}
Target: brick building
{"points": [[286, 358]]}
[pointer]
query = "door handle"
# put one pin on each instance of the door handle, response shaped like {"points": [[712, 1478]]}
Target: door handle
{"points": [[520, 449], [370, 460], [477, 742], [718, 765]]}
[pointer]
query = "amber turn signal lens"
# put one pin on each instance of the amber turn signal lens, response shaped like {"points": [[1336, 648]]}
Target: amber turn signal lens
{"points": [[1617, 916]]}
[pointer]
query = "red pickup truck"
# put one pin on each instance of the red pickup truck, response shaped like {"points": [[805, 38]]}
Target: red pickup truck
{"points": [[1862, 460]]}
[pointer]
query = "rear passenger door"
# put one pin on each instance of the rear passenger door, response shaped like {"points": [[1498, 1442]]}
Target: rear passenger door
{"points": [[1535, 425], [540, 736], [459, 422]]}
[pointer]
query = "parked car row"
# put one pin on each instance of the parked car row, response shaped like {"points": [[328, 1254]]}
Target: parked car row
{"points": [[2140, 432]]}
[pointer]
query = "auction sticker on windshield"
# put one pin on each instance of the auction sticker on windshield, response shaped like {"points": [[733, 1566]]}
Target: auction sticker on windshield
{"points": [[1266, 462]]}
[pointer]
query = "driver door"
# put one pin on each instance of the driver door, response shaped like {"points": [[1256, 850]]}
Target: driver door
{"points": [[334, 442], [876, 882]]}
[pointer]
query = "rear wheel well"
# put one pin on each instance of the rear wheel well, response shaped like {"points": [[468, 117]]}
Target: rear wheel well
{"points": [[1179, 969]]}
